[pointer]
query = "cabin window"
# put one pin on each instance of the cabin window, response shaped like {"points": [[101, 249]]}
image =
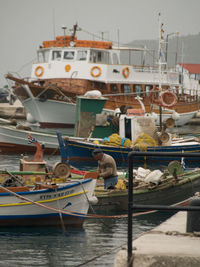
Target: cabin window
{"points": [[99, 57], [126, 88], [115, 59], [43, 56], [180, 78], [82, 55], [68, 55], [138, 90], [148, 88], [113, 88], [98, 86], [56, 55]]}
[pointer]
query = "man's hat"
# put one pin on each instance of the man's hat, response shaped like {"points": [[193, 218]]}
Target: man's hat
{"points": [[97, 151]]}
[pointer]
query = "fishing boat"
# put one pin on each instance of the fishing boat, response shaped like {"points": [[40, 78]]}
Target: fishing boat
{"points": [[81, 150], [10, 106], [13, 138], [49, 205], [32, 196], [168, 191], [135, 133], [67, 67], [172, 185]]}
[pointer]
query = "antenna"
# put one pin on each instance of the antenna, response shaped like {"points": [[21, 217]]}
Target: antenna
{"points": [[64, 29], [54, 31], [118, 36]]}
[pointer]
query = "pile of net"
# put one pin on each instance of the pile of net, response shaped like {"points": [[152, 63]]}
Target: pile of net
{"points": [[141, 143], [116, 140]]}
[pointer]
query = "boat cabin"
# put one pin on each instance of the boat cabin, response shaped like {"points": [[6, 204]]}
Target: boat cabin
{"points": [[72, 54]]}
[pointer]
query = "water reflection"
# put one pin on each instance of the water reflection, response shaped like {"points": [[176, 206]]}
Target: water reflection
{"points": [[99, 240]]}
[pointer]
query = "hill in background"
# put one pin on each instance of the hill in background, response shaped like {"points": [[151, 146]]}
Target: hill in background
{"points": [[180, 49]]}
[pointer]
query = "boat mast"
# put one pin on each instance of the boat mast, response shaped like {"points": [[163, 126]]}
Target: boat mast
{"points": [[160, 42]]}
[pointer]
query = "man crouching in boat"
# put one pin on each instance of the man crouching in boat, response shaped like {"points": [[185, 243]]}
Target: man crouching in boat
{"points": [[106, 168]]}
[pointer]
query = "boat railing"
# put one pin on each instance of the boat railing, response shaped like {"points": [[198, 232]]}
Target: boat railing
{"points": [[132, 207]]}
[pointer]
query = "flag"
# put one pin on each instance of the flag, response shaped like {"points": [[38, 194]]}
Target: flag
{"points": [[31, 140], [183, 163]]}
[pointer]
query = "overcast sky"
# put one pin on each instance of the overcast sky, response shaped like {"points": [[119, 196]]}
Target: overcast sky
{"points": [[24, 24]]}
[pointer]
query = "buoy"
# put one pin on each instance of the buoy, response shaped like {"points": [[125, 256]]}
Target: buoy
{"points": [[30, 118]]}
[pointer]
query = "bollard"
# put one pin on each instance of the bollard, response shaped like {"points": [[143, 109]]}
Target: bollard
{"points": [[193, 217]]}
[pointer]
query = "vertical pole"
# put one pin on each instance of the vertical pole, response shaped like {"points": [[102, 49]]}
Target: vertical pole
{"points": [[176, 59], [160, 113], [130, 205], [118, 37], [160, 64], [166, 52]]}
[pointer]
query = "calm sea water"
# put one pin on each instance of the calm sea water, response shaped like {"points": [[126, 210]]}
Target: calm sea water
{"points": [[96, 244]]}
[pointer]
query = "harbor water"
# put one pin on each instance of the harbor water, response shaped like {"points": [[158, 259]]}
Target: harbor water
{"points": [[93, 245], [96, 244]]}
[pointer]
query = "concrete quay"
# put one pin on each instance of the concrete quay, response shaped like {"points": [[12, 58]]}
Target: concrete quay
{"points": [[167, 245]]}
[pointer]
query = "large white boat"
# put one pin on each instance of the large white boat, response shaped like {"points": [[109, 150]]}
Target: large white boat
{"points": [[67, 67]]}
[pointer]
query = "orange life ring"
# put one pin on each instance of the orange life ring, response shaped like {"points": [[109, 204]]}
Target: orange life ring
{"points": [[67, 68], [39, 71], [126, 72], [94, 69], [168, 99], [153, 99]]}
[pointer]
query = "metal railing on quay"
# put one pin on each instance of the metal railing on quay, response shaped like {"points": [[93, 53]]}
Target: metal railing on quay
{"points": [[132, 206]]}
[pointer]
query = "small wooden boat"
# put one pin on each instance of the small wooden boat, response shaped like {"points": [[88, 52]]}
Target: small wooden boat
{"points": [[14, 138], [169, 191], [81, 150], [32, 197], [64, 204]]}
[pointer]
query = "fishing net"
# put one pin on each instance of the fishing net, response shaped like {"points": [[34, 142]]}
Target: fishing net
{"points": [[113, 140], [116, 140], [143, 141]]}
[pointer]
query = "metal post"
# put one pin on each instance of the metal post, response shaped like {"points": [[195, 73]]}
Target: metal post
{"points": [[130, 204], [176, 59], [131, 156], [160, 113], [64, 29]]}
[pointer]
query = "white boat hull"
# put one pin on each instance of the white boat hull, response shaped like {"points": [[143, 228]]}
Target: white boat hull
{"points": [[68, 204], [51, 113], [13, 139], [182, 119]]}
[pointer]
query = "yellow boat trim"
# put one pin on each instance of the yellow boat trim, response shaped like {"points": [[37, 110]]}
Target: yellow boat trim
{"points": [[104, 148], [43, 201]]}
